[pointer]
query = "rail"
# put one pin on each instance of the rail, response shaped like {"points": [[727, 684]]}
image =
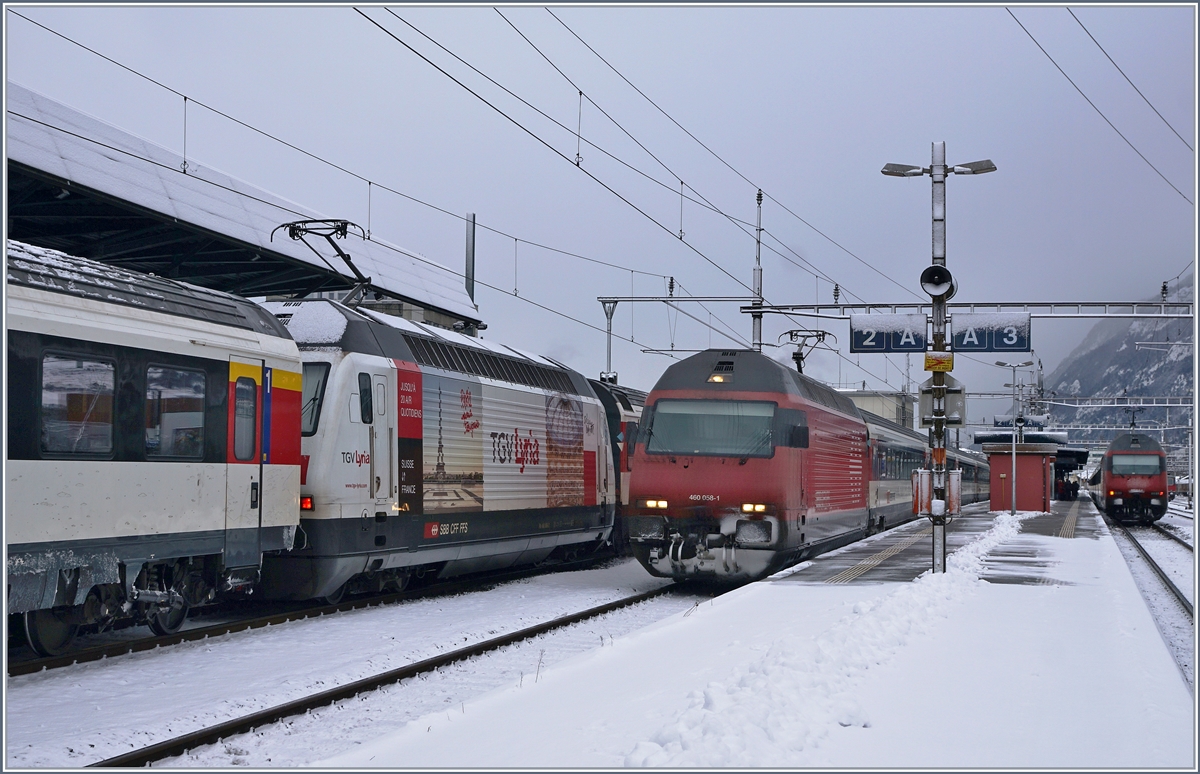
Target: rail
{"points": [[85, 655], [1162, 575], [179, 745]]}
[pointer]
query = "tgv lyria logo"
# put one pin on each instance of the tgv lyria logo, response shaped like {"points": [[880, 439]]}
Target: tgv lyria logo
{"points": [[356, 458], [515, 449]]}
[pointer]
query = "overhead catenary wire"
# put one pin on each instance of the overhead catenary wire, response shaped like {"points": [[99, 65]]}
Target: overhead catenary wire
{"points": [[723, 161], [301, 214], [1126, 77], [327, 162], [737, 223], [372, 183], [540, 112], [554, 121], [743, 225], [321, 159], [1098, 110], [550, 147]]}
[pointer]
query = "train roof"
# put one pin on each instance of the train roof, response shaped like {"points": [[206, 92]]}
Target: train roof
{"points": [[1134, 442], [874, 420], [896, 427], [56, 272], [744, 370], [324, 323], [629, 398]]}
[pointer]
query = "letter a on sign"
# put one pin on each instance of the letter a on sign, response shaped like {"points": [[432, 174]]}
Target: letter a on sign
{"points": [[970, 338], [907, 339]]}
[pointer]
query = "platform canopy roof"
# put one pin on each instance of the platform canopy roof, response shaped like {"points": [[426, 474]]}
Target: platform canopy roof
{"points": [[87, 188]]}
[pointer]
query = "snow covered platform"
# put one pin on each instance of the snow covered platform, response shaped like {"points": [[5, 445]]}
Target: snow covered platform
{"points": [[1035, 649]]}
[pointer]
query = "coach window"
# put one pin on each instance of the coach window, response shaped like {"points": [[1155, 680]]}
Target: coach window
{"points": [[312, 394], [365, 408], [174, 412], [77, 405], [245, 412]]}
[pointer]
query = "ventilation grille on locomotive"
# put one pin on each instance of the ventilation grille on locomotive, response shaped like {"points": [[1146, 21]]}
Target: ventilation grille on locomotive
{"points": [[452, 357]]}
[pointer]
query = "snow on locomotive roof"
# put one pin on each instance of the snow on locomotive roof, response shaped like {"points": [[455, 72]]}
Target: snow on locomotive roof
{"points": [[310, 323], [324, 321], [61, 141], [55, 271]]}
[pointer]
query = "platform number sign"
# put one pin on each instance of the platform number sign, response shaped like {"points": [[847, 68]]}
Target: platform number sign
{"points": [[887, 333], [991, 332]]}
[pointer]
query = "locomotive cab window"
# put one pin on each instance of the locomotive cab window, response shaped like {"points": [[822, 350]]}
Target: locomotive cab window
{"points": [[174, 412], [77, 406], [245, 414], [1136, 464], [727, 428], [366, 409], [312, 395]]}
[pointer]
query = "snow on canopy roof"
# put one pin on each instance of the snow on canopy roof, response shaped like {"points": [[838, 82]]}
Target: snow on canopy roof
{"points": [[61, 141]]}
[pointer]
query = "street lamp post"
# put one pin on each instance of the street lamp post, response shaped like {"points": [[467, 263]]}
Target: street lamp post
{"points": [[937, 281], [1012, 503]]}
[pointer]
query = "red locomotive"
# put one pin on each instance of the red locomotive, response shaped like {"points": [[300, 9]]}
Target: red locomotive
{"points": [[1131, 483], [743, 466]]}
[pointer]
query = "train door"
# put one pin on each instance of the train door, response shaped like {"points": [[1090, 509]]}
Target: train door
{"points": [[244, 463], [377, 412]]}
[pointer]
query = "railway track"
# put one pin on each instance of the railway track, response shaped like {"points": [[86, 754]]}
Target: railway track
{"points": [[180, 745], [1154, 565], [1163, 531], [444, 588]]}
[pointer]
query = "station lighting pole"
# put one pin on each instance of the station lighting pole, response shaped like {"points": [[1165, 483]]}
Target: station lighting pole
{"points": [[756, 316], [937, 281], [1012, 504]]}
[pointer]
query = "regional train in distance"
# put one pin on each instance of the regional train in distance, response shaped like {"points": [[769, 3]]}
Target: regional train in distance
{"points": [[1131, 482], [744, 466]]}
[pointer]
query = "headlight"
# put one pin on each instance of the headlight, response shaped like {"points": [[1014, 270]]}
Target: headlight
{"points": [[754, 508], [652, 503]]}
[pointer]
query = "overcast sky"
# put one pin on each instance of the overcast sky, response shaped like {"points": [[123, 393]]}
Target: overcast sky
{"points": [[806, 103]]}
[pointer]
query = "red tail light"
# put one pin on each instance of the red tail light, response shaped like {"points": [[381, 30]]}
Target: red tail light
{"points": [[306, 503]]}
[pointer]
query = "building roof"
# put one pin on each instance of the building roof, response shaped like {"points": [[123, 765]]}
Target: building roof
{"points": [[87, 188]]}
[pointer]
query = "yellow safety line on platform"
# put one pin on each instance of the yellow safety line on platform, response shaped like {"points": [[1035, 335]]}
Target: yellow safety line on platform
{"points": [[850, 573], [1068, 527]]}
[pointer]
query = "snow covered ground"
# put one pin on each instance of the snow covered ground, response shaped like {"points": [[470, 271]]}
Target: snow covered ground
{"points": [[946, 671], [78, 715]]}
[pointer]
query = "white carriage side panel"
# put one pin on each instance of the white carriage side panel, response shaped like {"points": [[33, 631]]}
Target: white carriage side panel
{"points": [[77, 500], [515, 451], [455, 421], [324, 468], [281, 507], [341, 468]]}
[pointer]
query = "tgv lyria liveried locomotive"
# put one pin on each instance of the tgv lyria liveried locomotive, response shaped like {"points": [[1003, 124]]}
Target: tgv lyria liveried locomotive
{"points": [[425, 450], [743, 466], [170, 445]]}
